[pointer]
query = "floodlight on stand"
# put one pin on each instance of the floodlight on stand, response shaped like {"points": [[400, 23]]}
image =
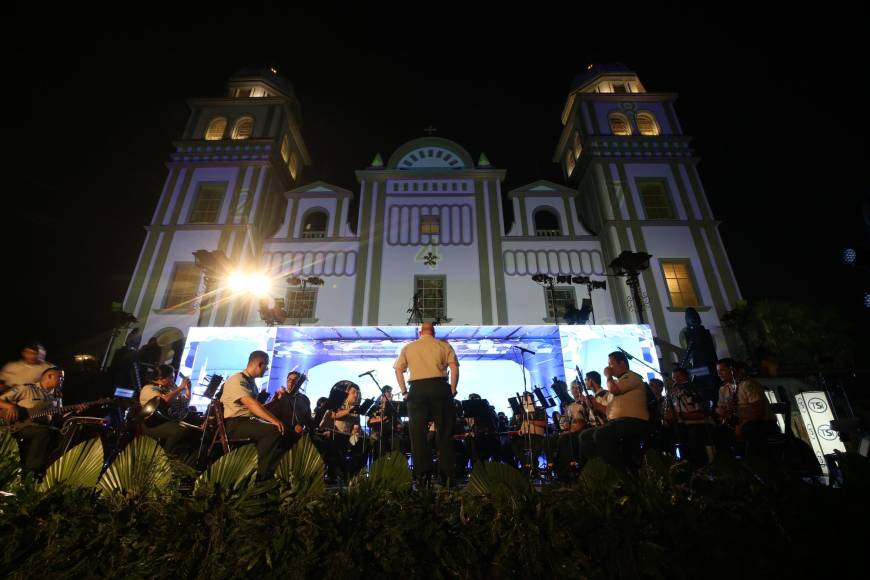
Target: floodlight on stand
{"points": [[630, 265]]}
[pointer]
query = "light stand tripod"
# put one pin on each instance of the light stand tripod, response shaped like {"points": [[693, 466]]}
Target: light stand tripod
{"points": [[416, 316]]}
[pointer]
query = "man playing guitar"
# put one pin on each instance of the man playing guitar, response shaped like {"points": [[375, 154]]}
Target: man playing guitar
{"points": [[36, 438]]}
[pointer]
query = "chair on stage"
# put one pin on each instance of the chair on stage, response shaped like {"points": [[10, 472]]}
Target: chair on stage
{"points": [[214, 418]]}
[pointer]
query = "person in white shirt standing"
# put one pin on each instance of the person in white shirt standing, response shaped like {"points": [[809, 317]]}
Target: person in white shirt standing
{"points": [[431, 399]]}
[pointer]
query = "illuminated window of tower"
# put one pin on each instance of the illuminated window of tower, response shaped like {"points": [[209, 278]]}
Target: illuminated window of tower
{"points": [[679, 279], [244, 128], [285, 149], [216, 129], [646, 124], [619, 124]]}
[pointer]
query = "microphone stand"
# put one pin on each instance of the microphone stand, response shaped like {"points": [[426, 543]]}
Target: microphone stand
{"points": [[383, 409], [522, 402], [630, 356]]}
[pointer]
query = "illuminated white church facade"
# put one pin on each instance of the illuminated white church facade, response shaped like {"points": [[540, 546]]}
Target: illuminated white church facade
{"points": [[430, 221]]}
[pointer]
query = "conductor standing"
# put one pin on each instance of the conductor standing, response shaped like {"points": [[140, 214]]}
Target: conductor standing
{"points": [[431, 399]]}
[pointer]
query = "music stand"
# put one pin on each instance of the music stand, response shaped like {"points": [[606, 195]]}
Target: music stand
{"points": [[475, 408], [514, 402], [213, 384], [366, 406], [561, 390], [545, 397]]}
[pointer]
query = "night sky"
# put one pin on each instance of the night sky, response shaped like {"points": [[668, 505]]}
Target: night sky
{"points": [[778, 118]]}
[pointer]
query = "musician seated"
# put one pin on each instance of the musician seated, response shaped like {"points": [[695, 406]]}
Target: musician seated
{"points": [[743, 407], [481, 440], [533, 427], [686, 416], [382, 423], [319, 410], [157, 395], [26, 371], [246, 418], [35, 439], [571, 423], [345, 438], [292, 408], [627, 415]]}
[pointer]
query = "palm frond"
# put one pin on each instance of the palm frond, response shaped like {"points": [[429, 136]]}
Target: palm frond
{"points": [[10, 461], [389, 472], [301, 470], [78, 467], [141, 469], [498, 481], [232, 472]]}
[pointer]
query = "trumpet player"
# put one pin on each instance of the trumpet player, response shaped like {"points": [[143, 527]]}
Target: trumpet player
{"points": [[159, 392]]}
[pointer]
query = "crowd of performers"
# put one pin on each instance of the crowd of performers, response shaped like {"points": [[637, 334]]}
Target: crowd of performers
{"points": [[615, 415]]}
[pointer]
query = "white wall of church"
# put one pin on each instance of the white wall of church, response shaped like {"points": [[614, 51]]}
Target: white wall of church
{"points": [[526, 299], [648, 170], [205, 174], [460, 266], [184, 243], [676, 242]]}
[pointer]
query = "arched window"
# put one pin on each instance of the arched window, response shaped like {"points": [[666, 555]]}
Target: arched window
{"points": [[647, 125], [244, 128], [314, 224], [619, 124], [216, 129], [547, 223], [285, 149]]}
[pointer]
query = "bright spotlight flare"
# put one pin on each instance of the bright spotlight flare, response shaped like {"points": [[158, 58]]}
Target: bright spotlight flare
{"points": [[249, 283]]}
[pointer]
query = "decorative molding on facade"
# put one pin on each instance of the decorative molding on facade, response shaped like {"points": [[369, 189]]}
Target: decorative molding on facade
{"points": [[430, 186], [403, 225], [553, 262], [224, 150], [316, 263]]}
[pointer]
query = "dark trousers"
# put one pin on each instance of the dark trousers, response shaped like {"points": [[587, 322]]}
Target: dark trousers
{"points": [[265, 436], [482, 447], [755, 435], [520, 447], [567, 450], [35, 442], [384, 442], [342, 458], [176, 440], [431, 400], [613, 440], [693, 443]]}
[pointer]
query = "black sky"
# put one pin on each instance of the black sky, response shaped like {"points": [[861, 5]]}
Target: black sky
{"points": [[777, 113]]}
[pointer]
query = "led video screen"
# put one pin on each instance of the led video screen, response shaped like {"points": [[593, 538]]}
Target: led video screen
{"points": [[496, 362]]}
